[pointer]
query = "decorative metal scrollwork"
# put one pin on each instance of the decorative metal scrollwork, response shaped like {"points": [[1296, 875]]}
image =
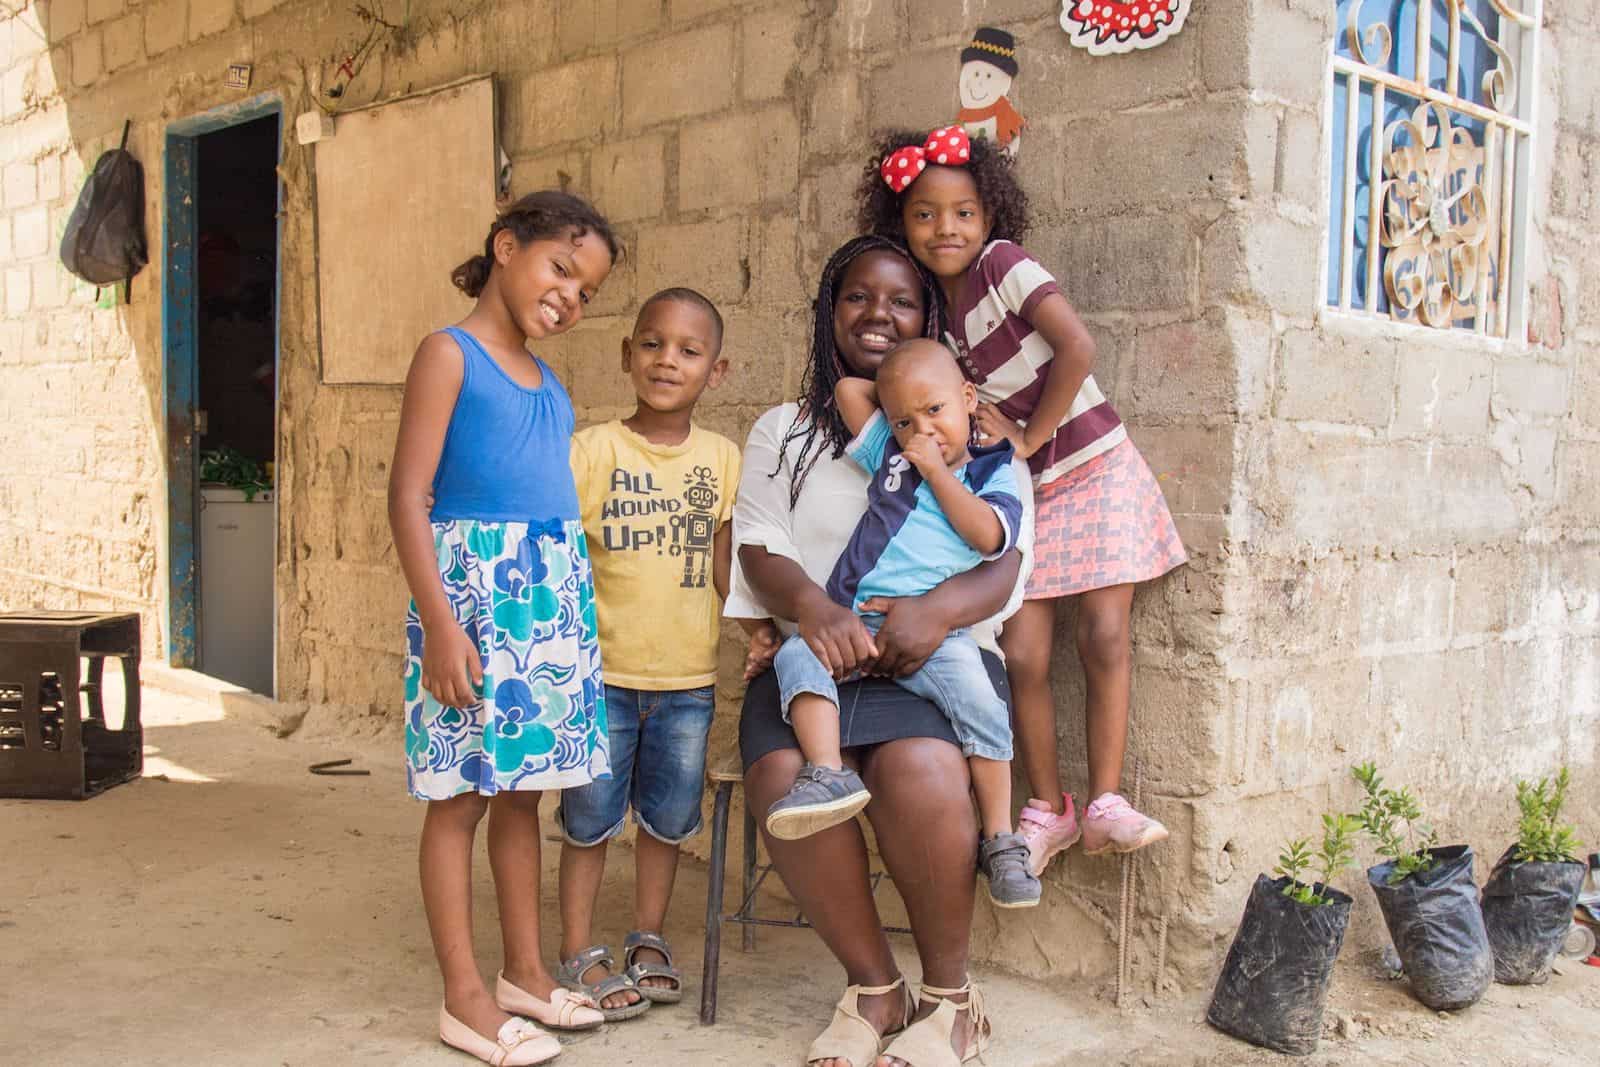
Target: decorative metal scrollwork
{"points": [[1373, 45], [1375, 36], [1435, 217]]}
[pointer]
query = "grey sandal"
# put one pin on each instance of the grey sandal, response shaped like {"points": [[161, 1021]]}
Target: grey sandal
{"points": [[571, 972], [639, 971]]}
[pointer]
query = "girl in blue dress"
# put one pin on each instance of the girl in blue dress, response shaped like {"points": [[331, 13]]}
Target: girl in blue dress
{"points": [[504, 698]]}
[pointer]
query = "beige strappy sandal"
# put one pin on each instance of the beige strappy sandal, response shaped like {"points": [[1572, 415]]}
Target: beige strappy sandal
{"points": [[926, 1042], [849, 1036]]}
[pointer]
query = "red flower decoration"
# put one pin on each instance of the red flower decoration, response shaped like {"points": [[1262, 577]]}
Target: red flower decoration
{"points": [[1108, 26]]}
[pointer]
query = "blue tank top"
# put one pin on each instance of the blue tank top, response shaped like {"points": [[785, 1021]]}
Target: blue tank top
{"points": [[506, 453]]}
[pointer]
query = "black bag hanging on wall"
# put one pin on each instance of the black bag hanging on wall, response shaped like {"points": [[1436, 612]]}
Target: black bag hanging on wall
{"points": [[104, 239]]}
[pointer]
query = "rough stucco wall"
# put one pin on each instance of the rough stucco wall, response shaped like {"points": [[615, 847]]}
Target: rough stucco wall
{"points": [[724, 138], [81, 494], [1413, 573]]}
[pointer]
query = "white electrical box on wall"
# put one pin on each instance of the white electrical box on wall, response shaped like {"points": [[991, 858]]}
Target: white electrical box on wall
{"points": [[313, 126]]}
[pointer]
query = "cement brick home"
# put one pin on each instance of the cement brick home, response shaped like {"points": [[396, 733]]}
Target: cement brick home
{"points": [[1394, 527]]}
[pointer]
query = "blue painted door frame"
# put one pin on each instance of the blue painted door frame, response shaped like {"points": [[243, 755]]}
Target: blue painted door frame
{"points": [[181, 368]]}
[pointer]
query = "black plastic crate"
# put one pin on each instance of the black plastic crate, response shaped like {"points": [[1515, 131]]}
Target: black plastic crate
{"points": [[54, 741]]}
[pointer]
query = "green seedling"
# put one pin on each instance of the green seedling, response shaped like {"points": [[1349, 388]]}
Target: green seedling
{"points": [[1336, 854], [1394, 818], [1540, 838]]}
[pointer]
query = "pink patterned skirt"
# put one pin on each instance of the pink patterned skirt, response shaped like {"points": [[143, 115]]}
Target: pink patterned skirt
{"points": [[1102, 524]]}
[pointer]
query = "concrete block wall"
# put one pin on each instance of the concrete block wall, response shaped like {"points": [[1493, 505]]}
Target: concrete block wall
{"points": [[1411, 533], [1413, 549], [760, 162], [81, 495]]}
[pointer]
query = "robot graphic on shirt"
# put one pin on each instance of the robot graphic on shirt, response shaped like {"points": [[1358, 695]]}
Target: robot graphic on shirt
{"points": [[695, 530]]}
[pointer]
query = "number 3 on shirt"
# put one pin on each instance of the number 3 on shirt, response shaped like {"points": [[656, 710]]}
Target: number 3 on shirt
{"points": [[898, 464]]}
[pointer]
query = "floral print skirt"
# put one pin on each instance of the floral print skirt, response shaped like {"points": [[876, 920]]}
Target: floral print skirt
{"points": [[524, 593]]}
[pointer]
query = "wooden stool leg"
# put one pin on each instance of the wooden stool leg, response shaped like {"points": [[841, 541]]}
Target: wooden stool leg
{"points": [[714, 878], [747, 931]]}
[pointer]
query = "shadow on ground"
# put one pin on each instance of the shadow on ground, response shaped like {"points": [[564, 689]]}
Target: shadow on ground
{"points": [[234, 909]]}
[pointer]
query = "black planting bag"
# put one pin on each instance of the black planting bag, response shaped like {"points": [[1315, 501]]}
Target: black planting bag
{"points": [[104, 239], [1274, 983], [1527, 908], [1437, 928]]}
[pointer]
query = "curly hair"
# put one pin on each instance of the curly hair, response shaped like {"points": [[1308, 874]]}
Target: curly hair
{"points": [[1003, 199], [819, 414], [536, 217]]}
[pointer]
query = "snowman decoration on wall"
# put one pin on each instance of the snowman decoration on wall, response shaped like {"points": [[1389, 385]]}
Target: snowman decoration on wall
{"points": [[988, 67], [1109, 27]]}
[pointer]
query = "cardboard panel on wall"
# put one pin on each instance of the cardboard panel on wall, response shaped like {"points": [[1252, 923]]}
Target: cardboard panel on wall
{"points": [[405, 191]]}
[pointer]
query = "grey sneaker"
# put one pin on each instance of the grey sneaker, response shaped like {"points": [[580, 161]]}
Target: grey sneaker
{"points": [[1004, 861], [820, 797]]}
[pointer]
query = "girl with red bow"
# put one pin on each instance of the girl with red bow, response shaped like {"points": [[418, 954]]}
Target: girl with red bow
{"points": [[1101, 525]]}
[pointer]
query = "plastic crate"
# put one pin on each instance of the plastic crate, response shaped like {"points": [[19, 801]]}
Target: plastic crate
{"points": [[54, 740]]}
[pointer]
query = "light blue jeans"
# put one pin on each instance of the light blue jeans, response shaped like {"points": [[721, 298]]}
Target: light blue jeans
{"points": [[658, 768], [953, 680]]}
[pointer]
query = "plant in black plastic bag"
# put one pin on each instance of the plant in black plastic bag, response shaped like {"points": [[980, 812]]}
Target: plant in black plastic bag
{"points": [[1540, 838], [1274, 983], [1394, 818], [1428, 898], [1338, 851], [1528, 901]]}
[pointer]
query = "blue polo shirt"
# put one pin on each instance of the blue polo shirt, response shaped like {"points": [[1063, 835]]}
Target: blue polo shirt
{"points": [[904, 545]]}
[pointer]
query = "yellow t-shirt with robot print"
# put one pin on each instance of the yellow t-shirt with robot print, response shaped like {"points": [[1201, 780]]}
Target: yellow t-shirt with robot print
{"points": [[651, 514]]}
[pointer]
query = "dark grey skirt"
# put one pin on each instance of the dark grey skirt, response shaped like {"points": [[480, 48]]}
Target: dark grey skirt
{"points": [[871, 712]]}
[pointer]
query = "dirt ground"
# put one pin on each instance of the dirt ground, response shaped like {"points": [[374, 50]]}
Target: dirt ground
{"points": [[231, 908]]}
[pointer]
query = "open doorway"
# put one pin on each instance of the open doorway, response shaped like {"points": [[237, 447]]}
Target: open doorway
{"points": [[222, 341]]}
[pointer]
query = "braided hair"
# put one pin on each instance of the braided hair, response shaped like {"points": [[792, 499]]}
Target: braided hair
{"points": [[819, 414], [536, 217]]}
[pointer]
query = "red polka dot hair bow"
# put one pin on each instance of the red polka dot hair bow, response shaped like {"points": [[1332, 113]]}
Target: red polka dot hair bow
{"points": [[947, 146]]}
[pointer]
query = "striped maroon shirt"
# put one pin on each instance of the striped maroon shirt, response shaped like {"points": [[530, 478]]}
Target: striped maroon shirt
{"points": [[1008, 360]]}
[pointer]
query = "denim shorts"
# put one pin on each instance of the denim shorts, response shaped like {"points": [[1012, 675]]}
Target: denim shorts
{"points": [[953, 679], [658, 768]]}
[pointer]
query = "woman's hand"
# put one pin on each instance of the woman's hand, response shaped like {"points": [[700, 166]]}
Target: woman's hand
{"points": [[909, 635], [837, 635], [992, 426], [764, 643], [452, 669]]}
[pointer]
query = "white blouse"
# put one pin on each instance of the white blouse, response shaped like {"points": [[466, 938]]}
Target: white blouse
{"points": [[814, 533]]}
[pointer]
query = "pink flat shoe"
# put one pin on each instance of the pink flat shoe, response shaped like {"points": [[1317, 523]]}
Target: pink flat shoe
{"points": [[518, 1044], [1046, 832], [1110, 824], [565, 1010]]}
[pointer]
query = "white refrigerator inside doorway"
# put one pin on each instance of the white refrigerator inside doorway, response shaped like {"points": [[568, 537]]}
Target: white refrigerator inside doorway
{"points": [[237, 545]]}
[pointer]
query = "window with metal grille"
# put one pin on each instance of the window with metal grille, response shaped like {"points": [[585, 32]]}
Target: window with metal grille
{"points": [[1431, 136]]}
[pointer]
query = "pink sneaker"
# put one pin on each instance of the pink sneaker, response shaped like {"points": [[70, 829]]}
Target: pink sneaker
{"points": [[1047, 833], [1111, 825]]}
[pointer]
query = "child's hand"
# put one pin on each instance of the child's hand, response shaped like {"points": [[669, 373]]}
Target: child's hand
{"points": [[764, 642], [923, 452], [452, 668], [993, 426]]}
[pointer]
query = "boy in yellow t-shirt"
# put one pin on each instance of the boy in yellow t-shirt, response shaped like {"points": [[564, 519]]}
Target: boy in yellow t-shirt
{"points": [[656, 493]]}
